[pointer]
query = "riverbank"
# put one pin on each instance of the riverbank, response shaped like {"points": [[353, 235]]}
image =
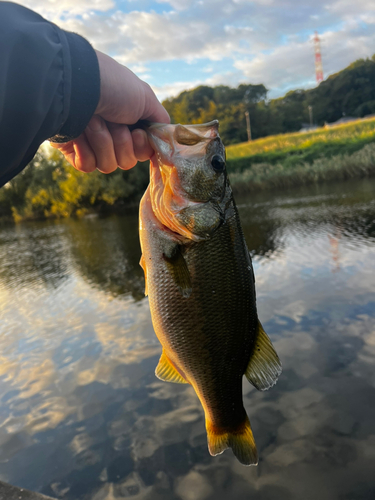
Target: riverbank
{"points": [[337, 153], [278, 175], [50, 188]]}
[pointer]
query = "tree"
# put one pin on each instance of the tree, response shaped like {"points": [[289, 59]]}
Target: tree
{"points": [[349, 92]]}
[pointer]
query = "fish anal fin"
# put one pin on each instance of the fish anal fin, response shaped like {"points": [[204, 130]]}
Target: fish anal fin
{"points": [[179, 271], [241, 441], [167, 372], [142, 263], [264, 366]]}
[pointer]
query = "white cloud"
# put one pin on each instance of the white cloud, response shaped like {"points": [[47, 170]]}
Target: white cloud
{"points": [[264, 39], [292, 64], [137, 68], [55, 9], [180, 4], [173, 89], [348, 8]]}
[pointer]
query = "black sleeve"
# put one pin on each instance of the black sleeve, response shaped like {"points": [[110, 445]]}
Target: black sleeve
{"points": [[49, 86]]}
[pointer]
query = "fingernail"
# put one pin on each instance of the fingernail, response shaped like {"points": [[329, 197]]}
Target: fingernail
{"points": [[95, 124]]}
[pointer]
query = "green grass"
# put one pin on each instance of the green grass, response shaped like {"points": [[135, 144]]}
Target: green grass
{"points": [[341, 152], [361, 129], [339, 167]]}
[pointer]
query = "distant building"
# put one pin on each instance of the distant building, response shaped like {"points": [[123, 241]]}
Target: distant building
{"points": [[306, 127], [341, 121]]}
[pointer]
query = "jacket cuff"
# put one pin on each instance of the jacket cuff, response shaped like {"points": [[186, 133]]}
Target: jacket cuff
{"points": [[85, 88]]}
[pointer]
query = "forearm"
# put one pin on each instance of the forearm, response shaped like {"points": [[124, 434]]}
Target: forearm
{"points": [[49, 84]]}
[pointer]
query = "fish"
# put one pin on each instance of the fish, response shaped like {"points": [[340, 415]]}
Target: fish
{"points": [[200, 283]]}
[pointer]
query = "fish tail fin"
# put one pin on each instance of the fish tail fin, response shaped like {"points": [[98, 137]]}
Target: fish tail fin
{"points": [[241, 441]]}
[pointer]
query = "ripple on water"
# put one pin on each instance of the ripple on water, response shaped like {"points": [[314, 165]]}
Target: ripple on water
{"points": [[82, 415]]}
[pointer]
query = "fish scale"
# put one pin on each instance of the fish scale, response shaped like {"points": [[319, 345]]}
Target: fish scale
{"points": [[200, 283]]}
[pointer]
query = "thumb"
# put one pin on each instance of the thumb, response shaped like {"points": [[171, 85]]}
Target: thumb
{"points": [[154, 111], [124, 98]]}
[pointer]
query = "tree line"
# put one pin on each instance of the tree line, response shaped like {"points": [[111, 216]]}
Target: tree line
{"points": [[350, 92], [49, 187]]}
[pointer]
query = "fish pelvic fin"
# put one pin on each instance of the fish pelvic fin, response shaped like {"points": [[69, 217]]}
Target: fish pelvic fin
{"points": [[167, 372], [264, 366], [241, 441], [142, 263]]}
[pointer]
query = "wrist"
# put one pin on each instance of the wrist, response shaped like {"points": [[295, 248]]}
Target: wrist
{"points": [[84, 87], [103, 82]]}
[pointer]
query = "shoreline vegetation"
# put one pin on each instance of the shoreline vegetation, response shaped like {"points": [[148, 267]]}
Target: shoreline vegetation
{"points": [[327, 154], [50, 188], [278, 158]]}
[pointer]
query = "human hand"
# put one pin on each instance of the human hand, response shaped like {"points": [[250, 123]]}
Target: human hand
{"points": [[107, 142]]}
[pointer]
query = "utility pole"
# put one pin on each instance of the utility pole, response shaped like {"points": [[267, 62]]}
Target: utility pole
{"points": [[311, 115], [248, 127]]}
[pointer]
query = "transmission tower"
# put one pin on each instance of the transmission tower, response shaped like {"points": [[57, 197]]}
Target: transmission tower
{"points": [[318, 59]]}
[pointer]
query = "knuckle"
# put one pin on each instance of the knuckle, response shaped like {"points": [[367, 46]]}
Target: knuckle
{"points": [[102, 142], [121, 135]]}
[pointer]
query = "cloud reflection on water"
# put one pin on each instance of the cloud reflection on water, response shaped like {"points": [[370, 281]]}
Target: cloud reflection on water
{"points": [[82, 415]]}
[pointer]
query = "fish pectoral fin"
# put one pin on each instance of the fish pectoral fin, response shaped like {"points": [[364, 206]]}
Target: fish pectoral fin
{"points": [[167, 372], [264, 366], [142, 263], [241, 441], [179, 271]]}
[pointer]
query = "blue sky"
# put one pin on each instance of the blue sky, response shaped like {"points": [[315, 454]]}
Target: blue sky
{"points": [[179, 44]]}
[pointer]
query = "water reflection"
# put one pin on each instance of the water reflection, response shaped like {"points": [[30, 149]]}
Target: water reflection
{"points": [[33, 255], [82, 415], [106, 253]]}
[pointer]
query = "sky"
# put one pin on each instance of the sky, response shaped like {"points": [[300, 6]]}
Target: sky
{"points": [[176, 45]]}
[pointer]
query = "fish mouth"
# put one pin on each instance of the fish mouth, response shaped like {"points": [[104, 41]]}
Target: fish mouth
{"points": [[177, 206], [201, 128], [168, 140]]}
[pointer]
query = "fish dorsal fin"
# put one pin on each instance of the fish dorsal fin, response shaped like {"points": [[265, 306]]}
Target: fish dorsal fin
{"points": [[167, 372], [142, 263], [179, 271], [264, 366]]}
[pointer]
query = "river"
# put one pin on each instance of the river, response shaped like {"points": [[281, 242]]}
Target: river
{"points": [[82, 415]]}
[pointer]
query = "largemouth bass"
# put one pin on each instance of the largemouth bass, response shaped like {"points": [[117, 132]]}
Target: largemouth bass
{"points": [[200, 282]]}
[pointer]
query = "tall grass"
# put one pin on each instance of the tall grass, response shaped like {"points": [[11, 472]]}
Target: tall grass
{"points": [[340, 152], [339, 167]]}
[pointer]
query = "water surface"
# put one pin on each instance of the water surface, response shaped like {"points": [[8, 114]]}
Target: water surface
{"points": [[82, 415]]}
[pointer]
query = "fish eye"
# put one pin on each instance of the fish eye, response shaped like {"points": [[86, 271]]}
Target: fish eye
{"points": [[218, 163]]}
